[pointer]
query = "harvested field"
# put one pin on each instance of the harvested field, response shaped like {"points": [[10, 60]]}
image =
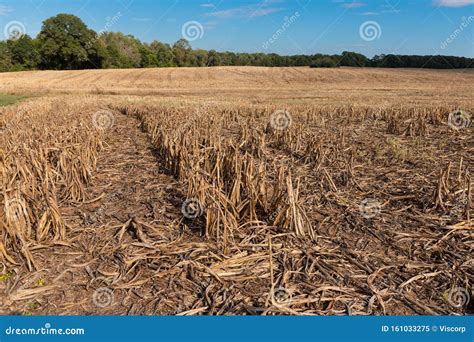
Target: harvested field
{"points": [[229, 191], [256, 84]]}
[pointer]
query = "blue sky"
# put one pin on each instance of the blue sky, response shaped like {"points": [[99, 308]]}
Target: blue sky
{"points": [[282, 26]]}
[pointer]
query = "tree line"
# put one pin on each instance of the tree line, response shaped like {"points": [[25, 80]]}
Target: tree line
{"points": [[66, 43]]}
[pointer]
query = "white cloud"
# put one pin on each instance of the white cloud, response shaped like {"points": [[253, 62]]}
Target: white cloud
{"points": [[453, 3]]}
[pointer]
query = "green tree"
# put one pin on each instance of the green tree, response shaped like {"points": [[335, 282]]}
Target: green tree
{"points": [[148, 58], [163, 52], [324, 62], [199, 58], [353, 59], [67, 43]]}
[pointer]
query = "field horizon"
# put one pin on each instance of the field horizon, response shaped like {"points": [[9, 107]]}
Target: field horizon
{"points": [[237, 191]]}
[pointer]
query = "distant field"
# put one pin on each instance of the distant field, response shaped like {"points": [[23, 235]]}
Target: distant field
{"points": [[255, 84]]}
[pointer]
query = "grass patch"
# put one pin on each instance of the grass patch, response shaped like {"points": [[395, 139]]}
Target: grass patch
{"points": [[5, 276], [6, 100]]}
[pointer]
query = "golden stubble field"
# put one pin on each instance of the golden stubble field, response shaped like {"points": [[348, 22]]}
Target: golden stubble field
{"points": [[256, 84], [237, 191]]}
